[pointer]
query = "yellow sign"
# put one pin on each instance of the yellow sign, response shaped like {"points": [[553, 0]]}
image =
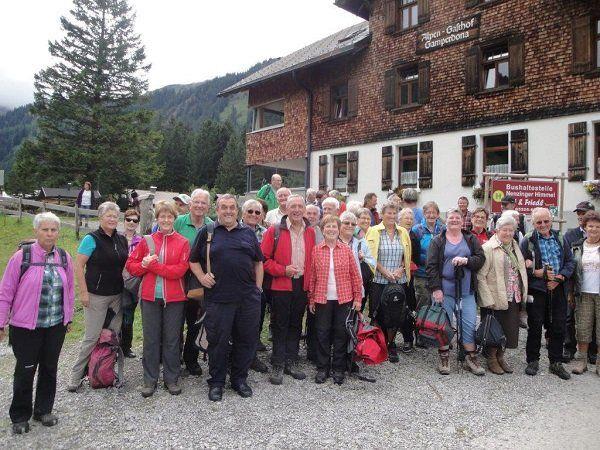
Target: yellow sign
{"points": [[498, 195]]}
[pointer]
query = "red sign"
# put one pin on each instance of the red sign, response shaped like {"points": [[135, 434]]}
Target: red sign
{"points": [[527, 194]]}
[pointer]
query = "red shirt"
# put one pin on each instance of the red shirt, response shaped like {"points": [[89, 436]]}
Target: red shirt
{"points": [[348, 282], [482, 237]]}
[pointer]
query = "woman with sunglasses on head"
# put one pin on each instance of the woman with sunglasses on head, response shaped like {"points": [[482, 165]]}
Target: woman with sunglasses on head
{"points": [[130, 300]]}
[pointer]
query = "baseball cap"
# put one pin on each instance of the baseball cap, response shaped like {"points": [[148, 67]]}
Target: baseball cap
{"points": [[185, 199], [584, 207], [508, 199]]}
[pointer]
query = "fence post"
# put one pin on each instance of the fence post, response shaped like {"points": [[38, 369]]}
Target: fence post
{"points": [[43, 206], [20, 208], [77, 222]]}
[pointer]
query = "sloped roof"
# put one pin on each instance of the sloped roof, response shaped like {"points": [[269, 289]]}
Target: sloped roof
{"points": [[338, 44], [50, 192], [362, 8]]}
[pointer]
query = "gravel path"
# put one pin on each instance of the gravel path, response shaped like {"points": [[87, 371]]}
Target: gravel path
{"points": [[410, 405]]}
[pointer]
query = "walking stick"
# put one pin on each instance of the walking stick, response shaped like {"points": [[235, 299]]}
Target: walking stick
{"points": [[459, 274]]}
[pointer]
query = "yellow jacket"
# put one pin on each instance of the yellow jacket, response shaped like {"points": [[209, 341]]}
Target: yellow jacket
{"points": [[374, 235]]}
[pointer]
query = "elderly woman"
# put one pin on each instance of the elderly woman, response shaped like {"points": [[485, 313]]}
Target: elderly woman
{"points": [[363, 216], [36, 300], [335, 287], [406, 218], [452, 249], [479, 219], [586, 253], [102, 254], [130, 299], [502, 287], [390, 245], [163, 298]]}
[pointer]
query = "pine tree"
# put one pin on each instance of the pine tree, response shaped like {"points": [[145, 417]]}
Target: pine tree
{"points": [[231, 175], [83, 103], [175, 155], [207, 150]]}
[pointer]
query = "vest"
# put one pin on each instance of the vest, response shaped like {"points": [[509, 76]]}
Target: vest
{"points": [[104, 269]]}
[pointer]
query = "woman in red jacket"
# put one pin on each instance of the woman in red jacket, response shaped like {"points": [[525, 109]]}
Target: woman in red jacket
{"points": [[163, 298], [335, 287]]}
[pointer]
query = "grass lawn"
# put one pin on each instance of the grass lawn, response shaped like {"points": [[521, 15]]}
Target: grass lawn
{"points": [[12, 232]]}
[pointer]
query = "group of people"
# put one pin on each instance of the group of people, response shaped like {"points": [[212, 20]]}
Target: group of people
{"points": [[309, 260]]}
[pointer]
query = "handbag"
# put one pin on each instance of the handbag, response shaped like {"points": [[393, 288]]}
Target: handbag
{"points": [[194, 289], [490, 333], [433, 326], [365, 269], [132, 283]]}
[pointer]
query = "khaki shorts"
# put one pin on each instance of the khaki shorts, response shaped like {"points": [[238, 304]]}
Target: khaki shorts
{"points": [[587, 313]]}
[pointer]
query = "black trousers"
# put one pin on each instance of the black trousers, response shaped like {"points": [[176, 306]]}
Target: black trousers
{"points": [[287, 312], [190, 353], [548, 310], [34, 349], [128, 309], [311, 337], [330, 327], [265, 299], [237, 323]]}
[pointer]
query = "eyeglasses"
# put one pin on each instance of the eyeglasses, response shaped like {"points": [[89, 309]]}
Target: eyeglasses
{"points": [[129, 219], [539, 222], [347, 223], [252, 211]]}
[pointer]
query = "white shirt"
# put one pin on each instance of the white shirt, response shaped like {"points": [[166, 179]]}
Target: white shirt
{"points": [[331, 285], [274, 216], [590, 260], [86, 198]]}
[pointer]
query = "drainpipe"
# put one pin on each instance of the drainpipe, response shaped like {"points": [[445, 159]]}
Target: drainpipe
{"points": [[309, 113]]}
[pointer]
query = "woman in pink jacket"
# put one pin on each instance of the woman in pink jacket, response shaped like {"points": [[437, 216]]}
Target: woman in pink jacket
{"points": [[36, 301]]}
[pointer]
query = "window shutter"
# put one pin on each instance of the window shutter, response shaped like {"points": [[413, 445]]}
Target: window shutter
{"points": [[519, 152], [326, 107], [468, 160], [472, 78], [425, 164], [352, 97], [577, 151], [390, 10], [516, 60], [390, 88], [323, 172], [424, 11], [352, 183], [471, 3], [386, 168], [582, 44], [424, 82]]}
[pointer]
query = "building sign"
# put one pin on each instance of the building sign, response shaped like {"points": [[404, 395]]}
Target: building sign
{"points": [[528, 194], [460, 31]]}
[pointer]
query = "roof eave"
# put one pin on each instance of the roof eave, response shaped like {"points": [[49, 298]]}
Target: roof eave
{"points": [[359, 45], [360, 8]]}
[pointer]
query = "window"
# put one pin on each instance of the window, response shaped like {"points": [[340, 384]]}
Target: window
{"points": [[408, 165], [339, 101], [586, 45], [386, 168], [578, 134], [495, 67], [495, 153], [269, 115], [408, 14], [598, 43], [597, 156], [340, 172], [408, 87]]}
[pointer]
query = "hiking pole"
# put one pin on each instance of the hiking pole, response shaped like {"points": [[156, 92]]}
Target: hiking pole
{"points": [[460, 351]]}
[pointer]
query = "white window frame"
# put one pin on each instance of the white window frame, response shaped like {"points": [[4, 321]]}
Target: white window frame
{"points": [[262, 105]]}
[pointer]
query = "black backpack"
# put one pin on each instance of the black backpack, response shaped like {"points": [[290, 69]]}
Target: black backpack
{"points": [[26, 262], [392, 310]]}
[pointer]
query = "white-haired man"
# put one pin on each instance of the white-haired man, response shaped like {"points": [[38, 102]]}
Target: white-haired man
{"points": [[274, 215]]}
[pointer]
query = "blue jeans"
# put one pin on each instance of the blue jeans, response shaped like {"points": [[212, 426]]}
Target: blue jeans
{"points": [[469, 315]]}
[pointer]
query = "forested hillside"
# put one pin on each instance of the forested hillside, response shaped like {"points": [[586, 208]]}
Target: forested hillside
{"points": [[15, 125]]}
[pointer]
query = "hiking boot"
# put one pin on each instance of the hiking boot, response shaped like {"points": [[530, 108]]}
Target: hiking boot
{"points": [[420, 343], [215, 393], [532, 368], [320, 377], [568, 355], [474, 366], [557, 369], [292, 369], [500, 357], [195, 371], [277, 375], [73, 386], [444, 364], [338, 377], [148, 390], [48, 420], [407, 347], [259, 366], [523, 319], [173, 388], [492, 361], [243, 390], [20, 428], [581, 364], [592, 358], [393, 353], [127, 353]]}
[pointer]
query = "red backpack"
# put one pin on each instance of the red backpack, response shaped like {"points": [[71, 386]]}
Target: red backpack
{"points": [[101, 367]]}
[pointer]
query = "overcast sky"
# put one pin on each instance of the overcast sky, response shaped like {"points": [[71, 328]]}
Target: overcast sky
{"points": [[186, 40]]}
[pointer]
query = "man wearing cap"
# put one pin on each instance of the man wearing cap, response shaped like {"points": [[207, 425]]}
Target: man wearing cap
{"points": [[573, 236], [183, 203], [508, 203], [188, 226], [269, 191]]}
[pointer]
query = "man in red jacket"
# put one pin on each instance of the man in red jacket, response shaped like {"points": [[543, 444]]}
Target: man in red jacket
{"points": [[287, 262]]}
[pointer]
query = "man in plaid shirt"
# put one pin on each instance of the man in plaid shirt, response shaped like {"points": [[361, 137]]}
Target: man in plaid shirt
{"points": [[463, 207]]}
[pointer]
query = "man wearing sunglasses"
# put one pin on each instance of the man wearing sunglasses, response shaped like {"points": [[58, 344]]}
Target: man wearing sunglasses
{"points": [[549, 264]]}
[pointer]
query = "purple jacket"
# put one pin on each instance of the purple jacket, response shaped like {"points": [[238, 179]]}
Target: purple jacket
{"points": [[20, 302]]}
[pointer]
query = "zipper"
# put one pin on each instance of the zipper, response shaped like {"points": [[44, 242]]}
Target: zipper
{"points": [[164, 252], [98, 283]]}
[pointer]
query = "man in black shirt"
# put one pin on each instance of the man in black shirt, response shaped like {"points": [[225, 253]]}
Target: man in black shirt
{"points": [[232, 296]]}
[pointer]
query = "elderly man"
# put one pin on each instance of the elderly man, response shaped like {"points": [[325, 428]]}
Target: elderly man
{"points": [[231, 297], [311, 196], [274, 215], [410, 197], [269, 191], [287, 263], [463, 207], [550, 265], [183, 203], [313, 215], [188, 226], [370, 203], [331, 206]]}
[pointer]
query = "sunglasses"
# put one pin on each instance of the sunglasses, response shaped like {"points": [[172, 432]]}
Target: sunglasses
{"points": [[347, 223], [129, 219], [539, 222], [253, 211]]}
